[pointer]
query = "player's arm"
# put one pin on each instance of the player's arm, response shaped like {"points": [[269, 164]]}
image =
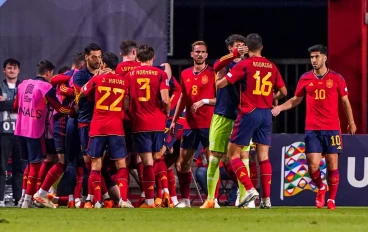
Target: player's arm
{"points": [[292, 102], [54, 102], [87, 88], [343, 93], [176, 94], [167, 69], [226, 60], [164, 91], [231, 77], [60, 79], [180, 107], [66, 90]]}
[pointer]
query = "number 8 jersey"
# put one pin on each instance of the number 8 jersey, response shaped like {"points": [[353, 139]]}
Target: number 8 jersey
{"points": [[109, 92], [146, 108], [195, 87], [261, 77]]}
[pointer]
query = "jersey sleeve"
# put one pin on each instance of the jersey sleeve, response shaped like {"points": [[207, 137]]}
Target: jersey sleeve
{"points": [[66, 90], [225, 60], [237, 73], [60, 79], [176, 93], [342, 88], [55, 103], [164, 81], [300, 90], [87, 88], [279, 82]]}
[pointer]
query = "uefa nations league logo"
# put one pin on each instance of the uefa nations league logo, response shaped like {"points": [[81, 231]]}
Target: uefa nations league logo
{"points": [[294, 174]]}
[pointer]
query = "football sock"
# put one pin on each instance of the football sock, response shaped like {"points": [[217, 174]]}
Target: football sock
{"points": [[241, 173], [333, 183], [122, 182], [253, 173], [185, 179], [213, 174], [148, 183], [266, 176], [51, 177]]}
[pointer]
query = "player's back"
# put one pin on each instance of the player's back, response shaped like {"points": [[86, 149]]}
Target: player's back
{"points": [[126, 66], [261, 78], [146, 82]]}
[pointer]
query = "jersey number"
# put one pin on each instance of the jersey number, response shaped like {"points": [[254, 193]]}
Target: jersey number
{"points": [[146, 86], [335, 140], [320, 94], [265, 87], [107, 93], [194, 90]]}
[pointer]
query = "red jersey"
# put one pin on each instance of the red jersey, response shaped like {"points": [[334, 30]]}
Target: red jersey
{"points": [[196, 87], [146, 108], [109, 90], [126, 66], [261, 76], [322, 98]]}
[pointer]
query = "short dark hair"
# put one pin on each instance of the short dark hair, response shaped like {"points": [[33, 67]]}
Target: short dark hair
{"points": [[78, 58], [43, 66], [199, 42], [127, 46], [254, 42], [110, 59], [63, 69], [12, 62], [318, 48], [234, 38], [91, 47], [145, 53]]}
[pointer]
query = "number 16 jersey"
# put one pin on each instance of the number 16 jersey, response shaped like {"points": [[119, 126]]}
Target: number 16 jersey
{"points": [[146, 83], [109, 91], [261, 77]]}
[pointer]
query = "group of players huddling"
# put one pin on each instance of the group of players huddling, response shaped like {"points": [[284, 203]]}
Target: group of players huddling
{"points": [[106, 117]]}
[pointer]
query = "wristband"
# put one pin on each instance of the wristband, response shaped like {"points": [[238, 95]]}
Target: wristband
{"points": [[206, 101]]}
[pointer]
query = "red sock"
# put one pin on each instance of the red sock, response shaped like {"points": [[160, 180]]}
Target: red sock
{"points": [[316, 177], [185, 179], [172, 182], [95, 177], [217, 188], [25, 176], [333, 183], [266, 176], [63, 200], [140, 174], [52, 176], [148, 181], [253, 173], [161, 172], [32, 179], [90, 186], [78, 184], [122, 182], [158, 187], [45, 167], [241, 173], [231, 173]]}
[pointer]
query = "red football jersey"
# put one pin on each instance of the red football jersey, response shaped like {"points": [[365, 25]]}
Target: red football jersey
{"points": [[196, 87], [261, 76], [126, 66], [110, 90], [146, 108], [322, 98]]}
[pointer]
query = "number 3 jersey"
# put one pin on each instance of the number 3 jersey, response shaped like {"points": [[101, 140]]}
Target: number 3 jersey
{"points": [[322, 98], [109, 91], [194, 88], [261, 77], [146, 108]]}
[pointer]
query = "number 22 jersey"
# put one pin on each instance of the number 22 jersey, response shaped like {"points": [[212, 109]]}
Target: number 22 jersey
{"points": [[146, 108], [261, 76], [109, 92]]}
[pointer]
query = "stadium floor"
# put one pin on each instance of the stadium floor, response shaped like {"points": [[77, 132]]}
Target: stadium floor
{"points": [[283, 219]]}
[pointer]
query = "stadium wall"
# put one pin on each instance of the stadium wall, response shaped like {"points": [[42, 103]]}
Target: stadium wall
{"points": [[55, 30]]}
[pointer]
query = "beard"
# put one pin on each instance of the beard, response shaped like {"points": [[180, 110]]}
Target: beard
{"points": [[93, 65], [199, 62]]}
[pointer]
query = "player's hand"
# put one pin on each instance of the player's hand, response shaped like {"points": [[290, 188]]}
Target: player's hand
{"points": [[196, 106], [276, 111], [352, 128], [172, 128], [2, 98]]}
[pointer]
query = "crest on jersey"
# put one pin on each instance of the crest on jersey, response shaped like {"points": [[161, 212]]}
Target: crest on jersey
{"points": [[204, 79], [329, 83]]}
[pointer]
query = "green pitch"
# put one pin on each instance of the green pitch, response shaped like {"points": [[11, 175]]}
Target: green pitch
{"points": [[224, 220]]}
